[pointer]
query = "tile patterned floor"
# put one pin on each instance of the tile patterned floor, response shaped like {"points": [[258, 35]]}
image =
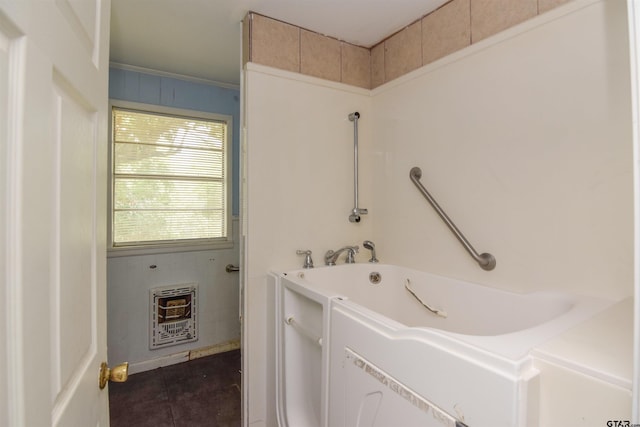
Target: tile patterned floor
{"points": [[198, 393]]}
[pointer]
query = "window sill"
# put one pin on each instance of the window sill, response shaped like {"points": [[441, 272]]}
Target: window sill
{"points": [[153, 250]]}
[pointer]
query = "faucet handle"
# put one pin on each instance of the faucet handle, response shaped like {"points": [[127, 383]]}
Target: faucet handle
{"points": [[351, 254], [308, 262]]}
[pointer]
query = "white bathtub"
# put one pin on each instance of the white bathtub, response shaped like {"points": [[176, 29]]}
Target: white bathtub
{"points": [[506, 323], [375, 347]]}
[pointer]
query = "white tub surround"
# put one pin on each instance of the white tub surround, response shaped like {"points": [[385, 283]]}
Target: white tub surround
{"points": [[350, 332], [524, 138], [298, 175], [594, 361]]}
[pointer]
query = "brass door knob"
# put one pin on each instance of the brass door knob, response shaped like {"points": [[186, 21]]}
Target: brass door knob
{"points": [[117, 374]]}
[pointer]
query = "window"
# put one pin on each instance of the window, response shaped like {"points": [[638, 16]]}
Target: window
{"points": [[169, 179]]}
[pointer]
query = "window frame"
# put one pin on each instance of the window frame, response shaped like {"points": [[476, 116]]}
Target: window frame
{"points": [[181, 245]]}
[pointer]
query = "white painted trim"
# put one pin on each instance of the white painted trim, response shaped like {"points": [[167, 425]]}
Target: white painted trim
{"points": [[214, 349], [148, 365], [633, 10], [242, 230], [290, 75], [163, 248], [16, 406], [149, 71], [183, 356]]}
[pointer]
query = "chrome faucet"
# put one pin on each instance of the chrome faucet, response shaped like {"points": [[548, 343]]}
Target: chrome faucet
{"points": [[331, 256]]}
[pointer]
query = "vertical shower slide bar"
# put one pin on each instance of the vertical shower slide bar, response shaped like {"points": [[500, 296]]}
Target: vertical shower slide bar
{"points": [[356, 212]]}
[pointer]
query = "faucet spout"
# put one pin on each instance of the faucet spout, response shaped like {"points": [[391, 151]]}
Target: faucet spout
{"points": [[331, 256]]}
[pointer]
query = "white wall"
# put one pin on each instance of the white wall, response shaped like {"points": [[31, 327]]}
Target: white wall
{"points": [[300, 167], [299, 193], [523, 138], [130, 279], [525, 141]]}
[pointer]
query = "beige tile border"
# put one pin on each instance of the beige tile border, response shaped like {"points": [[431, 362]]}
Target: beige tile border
{"points": [[454, 26]]}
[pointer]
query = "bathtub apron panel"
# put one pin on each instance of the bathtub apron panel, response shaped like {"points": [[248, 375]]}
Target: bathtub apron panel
{"points": [[406, 379]]}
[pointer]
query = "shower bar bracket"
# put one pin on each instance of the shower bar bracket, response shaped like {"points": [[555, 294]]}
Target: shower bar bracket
{"points": [[485, 260]]}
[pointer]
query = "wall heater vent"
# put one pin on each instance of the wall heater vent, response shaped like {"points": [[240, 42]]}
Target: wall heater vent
{"points": [[173, 315]]}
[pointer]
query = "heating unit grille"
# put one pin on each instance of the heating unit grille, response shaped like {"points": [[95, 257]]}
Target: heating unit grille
{"points": [[173, 315]]}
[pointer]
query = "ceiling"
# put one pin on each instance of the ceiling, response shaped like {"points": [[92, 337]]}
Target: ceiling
{"points": [[201, 38]]}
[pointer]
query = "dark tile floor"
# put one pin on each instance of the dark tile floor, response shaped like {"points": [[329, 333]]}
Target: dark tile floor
{"points": [[198, 393]]}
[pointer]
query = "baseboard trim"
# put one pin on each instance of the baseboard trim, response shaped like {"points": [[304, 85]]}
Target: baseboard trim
{"points": [[214, 349], [183, 356]]}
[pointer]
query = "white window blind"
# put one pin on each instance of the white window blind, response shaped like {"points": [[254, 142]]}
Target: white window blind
{"points": [[169, 178]]}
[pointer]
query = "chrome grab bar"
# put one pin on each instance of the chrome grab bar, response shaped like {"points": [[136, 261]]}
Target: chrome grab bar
{"points": [[303, 330], [485, 260]]}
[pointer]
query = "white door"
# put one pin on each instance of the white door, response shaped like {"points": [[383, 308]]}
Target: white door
{"points": [[53, 159]]}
